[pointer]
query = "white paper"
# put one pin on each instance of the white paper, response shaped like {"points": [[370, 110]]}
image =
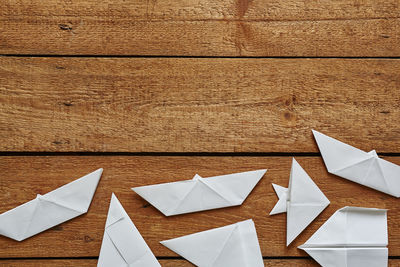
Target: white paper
{"points": [[303, 201], [351, 237], [122, 243], [362, 167], [234, 245], [199, 193], [51, 209]]}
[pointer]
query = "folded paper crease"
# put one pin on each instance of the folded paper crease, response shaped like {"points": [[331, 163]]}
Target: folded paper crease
{"points": [[362, 167], [199, 194], [51, 209], [303, 201], [234, 245], [122, 243], [351, 237]]}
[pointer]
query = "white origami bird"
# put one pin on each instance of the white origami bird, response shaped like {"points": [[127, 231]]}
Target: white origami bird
{"points": [[235, 245], [51, 209], [362, 167], [199, 193], [303, 201], [122, 243], [351, 237]]}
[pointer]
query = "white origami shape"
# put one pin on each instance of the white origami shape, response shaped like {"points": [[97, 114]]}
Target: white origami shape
{"points": [[51, 209], [199, 193], [303, 201], [362, 167], [351, 237], [234, 245], [122, 243]]}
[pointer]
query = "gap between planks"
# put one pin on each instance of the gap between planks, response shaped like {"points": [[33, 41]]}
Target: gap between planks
{"points": [[183, 56], [173, 154], [167, 263]]}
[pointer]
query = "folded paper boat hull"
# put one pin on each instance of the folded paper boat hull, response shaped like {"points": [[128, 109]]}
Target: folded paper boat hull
{"points": [[200, 194], [362, 167], [51, 209]]}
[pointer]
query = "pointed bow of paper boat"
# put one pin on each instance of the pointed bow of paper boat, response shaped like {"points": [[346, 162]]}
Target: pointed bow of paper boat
{"points": [[51, 209], [362, 167], [303, 201], [234, 245], [351, 237], [199, 194]]}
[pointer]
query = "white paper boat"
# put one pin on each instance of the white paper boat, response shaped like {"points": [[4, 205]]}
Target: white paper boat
{"points": [[351, 237], [51, 209], [199, 193], [362, 167], [122, 243], [303, 201], [235, 245]]}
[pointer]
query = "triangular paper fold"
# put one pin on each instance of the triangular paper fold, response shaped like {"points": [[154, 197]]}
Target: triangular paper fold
{"points": [[122, 243], [234, 245], [351, 237], [281, 205], [199, 194], [51, 209], [362, 167], [303, 201]]}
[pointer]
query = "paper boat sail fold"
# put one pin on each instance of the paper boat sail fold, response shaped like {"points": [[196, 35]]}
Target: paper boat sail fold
{"points": [[303, 201], [351, 237], [362, 167], [122, 243], [199, 194], [51, 209], [234, 245]]}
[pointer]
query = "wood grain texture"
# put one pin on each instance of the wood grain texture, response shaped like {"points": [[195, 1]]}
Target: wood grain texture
{"points": [[24, 177], [197, 105], [201, 28], [164, 263]]}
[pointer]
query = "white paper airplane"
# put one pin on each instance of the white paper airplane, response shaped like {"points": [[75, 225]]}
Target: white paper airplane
{"points": [[122, 243], [303, 201], [199, 193], [362, 167], [235, 245], [51, 209], [351, 237]]}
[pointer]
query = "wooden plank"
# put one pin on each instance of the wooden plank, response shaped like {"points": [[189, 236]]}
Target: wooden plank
{"points": [[24, 177], [165, 263], [201, 28], [197, 105]]}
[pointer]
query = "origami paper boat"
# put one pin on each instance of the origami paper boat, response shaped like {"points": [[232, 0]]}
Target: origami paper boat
{"points": [[51, 209], [199, 193], [362, 167], [235, 245], [303, 201], [122, 243], [351, 237]]}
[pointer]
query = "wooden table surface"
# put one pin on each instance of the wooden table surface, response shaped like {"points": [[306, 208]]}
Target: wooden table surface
{"points": [[156, 91]]}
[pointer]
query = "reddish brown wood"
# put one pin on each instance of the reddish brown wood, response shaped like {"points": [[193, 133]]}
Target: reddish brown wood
{"points": [[201, 28], [197, 105]]}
